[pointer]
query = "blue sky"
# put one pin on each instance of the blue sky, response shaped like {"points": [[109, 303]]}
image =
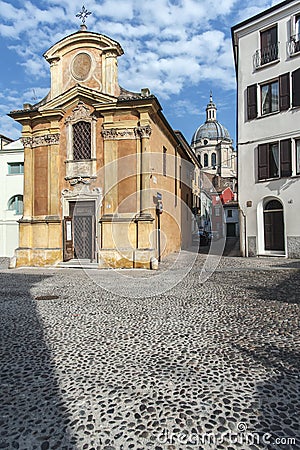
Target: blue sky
{"points": [[180, 49]]}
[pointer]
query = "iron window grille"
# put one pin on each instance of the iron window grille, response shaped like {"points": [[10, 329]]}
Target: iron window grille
{"points": [[81, 140]]}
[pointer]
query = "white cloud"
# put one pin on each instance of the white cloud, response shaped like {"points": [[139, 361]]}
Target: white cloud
{"points": [[253, 7], [167, 43], [185, 107], [10, 128]]}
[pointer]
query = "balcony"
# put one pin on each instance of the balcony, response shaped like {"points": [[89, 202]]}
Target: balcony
{"points": [[265, 55], [293, 45]]}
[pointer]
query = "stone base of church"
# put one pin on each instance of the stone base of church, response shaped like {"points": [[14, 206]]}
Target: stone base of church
{"points": [[37, 257], [40, 242], [126, 259], [126, 241]]}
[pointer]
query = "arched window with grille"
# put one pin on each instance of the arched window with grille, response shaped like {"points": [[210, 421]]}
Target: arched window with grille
{"points": [[81, 140], [15, 203], [205, 160]]}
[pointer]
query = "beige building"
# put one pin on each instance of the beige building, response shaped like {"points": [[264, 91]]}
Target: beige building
{"points": [[101, 164]]}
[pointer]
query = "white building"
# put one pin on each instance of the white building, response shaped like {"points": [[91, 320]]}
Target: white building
{"points": [[267, 58], [11, 199]]}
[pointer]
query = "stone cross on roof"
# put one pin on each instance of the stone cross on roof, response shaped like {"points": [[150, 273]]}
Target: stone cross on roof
{"points": [[83, 14]]}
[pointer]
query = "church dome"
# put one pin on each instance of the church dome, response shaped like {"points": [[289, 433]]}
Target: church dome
{"points": [[212, 129]]}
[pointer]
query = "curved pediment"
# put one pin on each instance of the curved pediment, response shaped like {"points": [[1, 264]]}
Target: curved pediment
{"points": [[82, 39], [85, 59]]}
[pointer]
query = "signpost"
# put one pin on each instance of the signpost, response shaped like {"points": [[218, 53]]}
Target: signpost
{"points": [[159, 210]]}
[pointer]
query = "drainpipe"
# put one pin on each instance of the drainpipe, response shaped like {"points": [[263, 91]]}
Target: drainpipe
{"points": [[243, 233]]}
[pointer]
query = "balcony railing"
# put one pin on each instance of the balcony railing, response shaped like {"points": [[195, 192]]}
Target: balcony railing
{"points": [[293, 45], [265, 55]]}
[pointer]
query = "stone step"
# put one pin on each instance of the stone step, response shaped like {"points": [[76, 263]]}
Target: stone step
{"points": [[78, 264]]}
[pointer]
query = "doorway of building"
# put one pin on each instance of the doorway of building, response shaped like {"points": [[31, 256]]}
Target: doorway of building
{"points": [[230, 230], [274, 226], [83, 218]]}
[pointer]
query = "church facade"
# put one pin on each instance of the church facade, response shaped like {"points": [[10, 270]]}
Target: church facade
{"points": [[106, 178]]}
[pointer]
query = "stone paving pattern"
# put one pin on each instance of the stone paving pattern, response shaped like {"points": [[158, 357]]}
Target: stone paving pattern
{"points": [[91, 370]]}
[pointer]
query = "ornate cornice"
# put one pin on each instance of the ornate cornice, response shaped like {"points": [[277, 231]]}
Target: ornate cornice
{"points": [[40, 141], [80, 112], [84, 179], [79, 190], [128, 133], [115, 133]]}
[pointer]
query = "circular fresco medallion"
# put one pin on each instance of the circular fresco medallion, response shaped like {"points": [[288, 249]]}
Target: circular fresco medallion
{"points": [[81, 66]]}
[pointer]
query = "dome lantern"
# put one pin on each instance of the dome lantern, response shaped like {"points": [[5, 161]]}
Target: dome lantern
{"points": [[211, 110], [211, 129]]}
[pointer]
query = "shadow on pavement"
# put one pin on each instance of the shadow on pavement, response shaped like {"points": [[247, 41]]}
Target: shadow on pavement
{"points": [[277, 400], [231, 247], [285, 291], [33, 414]]}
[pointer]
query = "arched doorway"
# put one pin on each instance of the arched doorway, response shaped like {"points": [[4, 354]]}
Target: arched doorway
{"points": [[274, 226]]}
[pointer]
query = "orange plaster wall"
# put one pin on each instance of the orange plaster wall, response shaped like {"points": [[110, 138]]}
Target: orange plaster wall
{"points": [[126, 116], [171, 216], [127, 181], [41, 181]]}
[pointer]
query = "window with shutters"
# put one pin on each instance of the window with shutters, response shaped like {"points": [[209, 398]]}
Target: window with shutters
{"points": [[274, 95], [270, 98], [269, 45], [268, 51], [274, 160], [293, 44], [81, 140], [297, 145], [285, 158], [252, 102], [296, 88], [284, 91]]}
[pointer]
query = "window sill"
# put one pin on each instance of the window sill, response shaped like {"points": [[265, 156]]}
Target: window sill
{"points": [[269, 114], [269, 179], [292, 55], [271, 63], [13, 174], [272, 253], [79, 160]]}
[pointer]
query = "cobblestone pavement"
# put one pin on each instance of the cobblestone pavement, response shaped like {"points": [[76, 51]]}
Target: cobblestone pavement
{"points": [[211, 365]]}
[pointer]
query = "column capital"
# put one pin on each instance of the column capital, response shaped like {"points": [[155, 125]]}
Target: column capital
{"points": [[143, 132]]}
